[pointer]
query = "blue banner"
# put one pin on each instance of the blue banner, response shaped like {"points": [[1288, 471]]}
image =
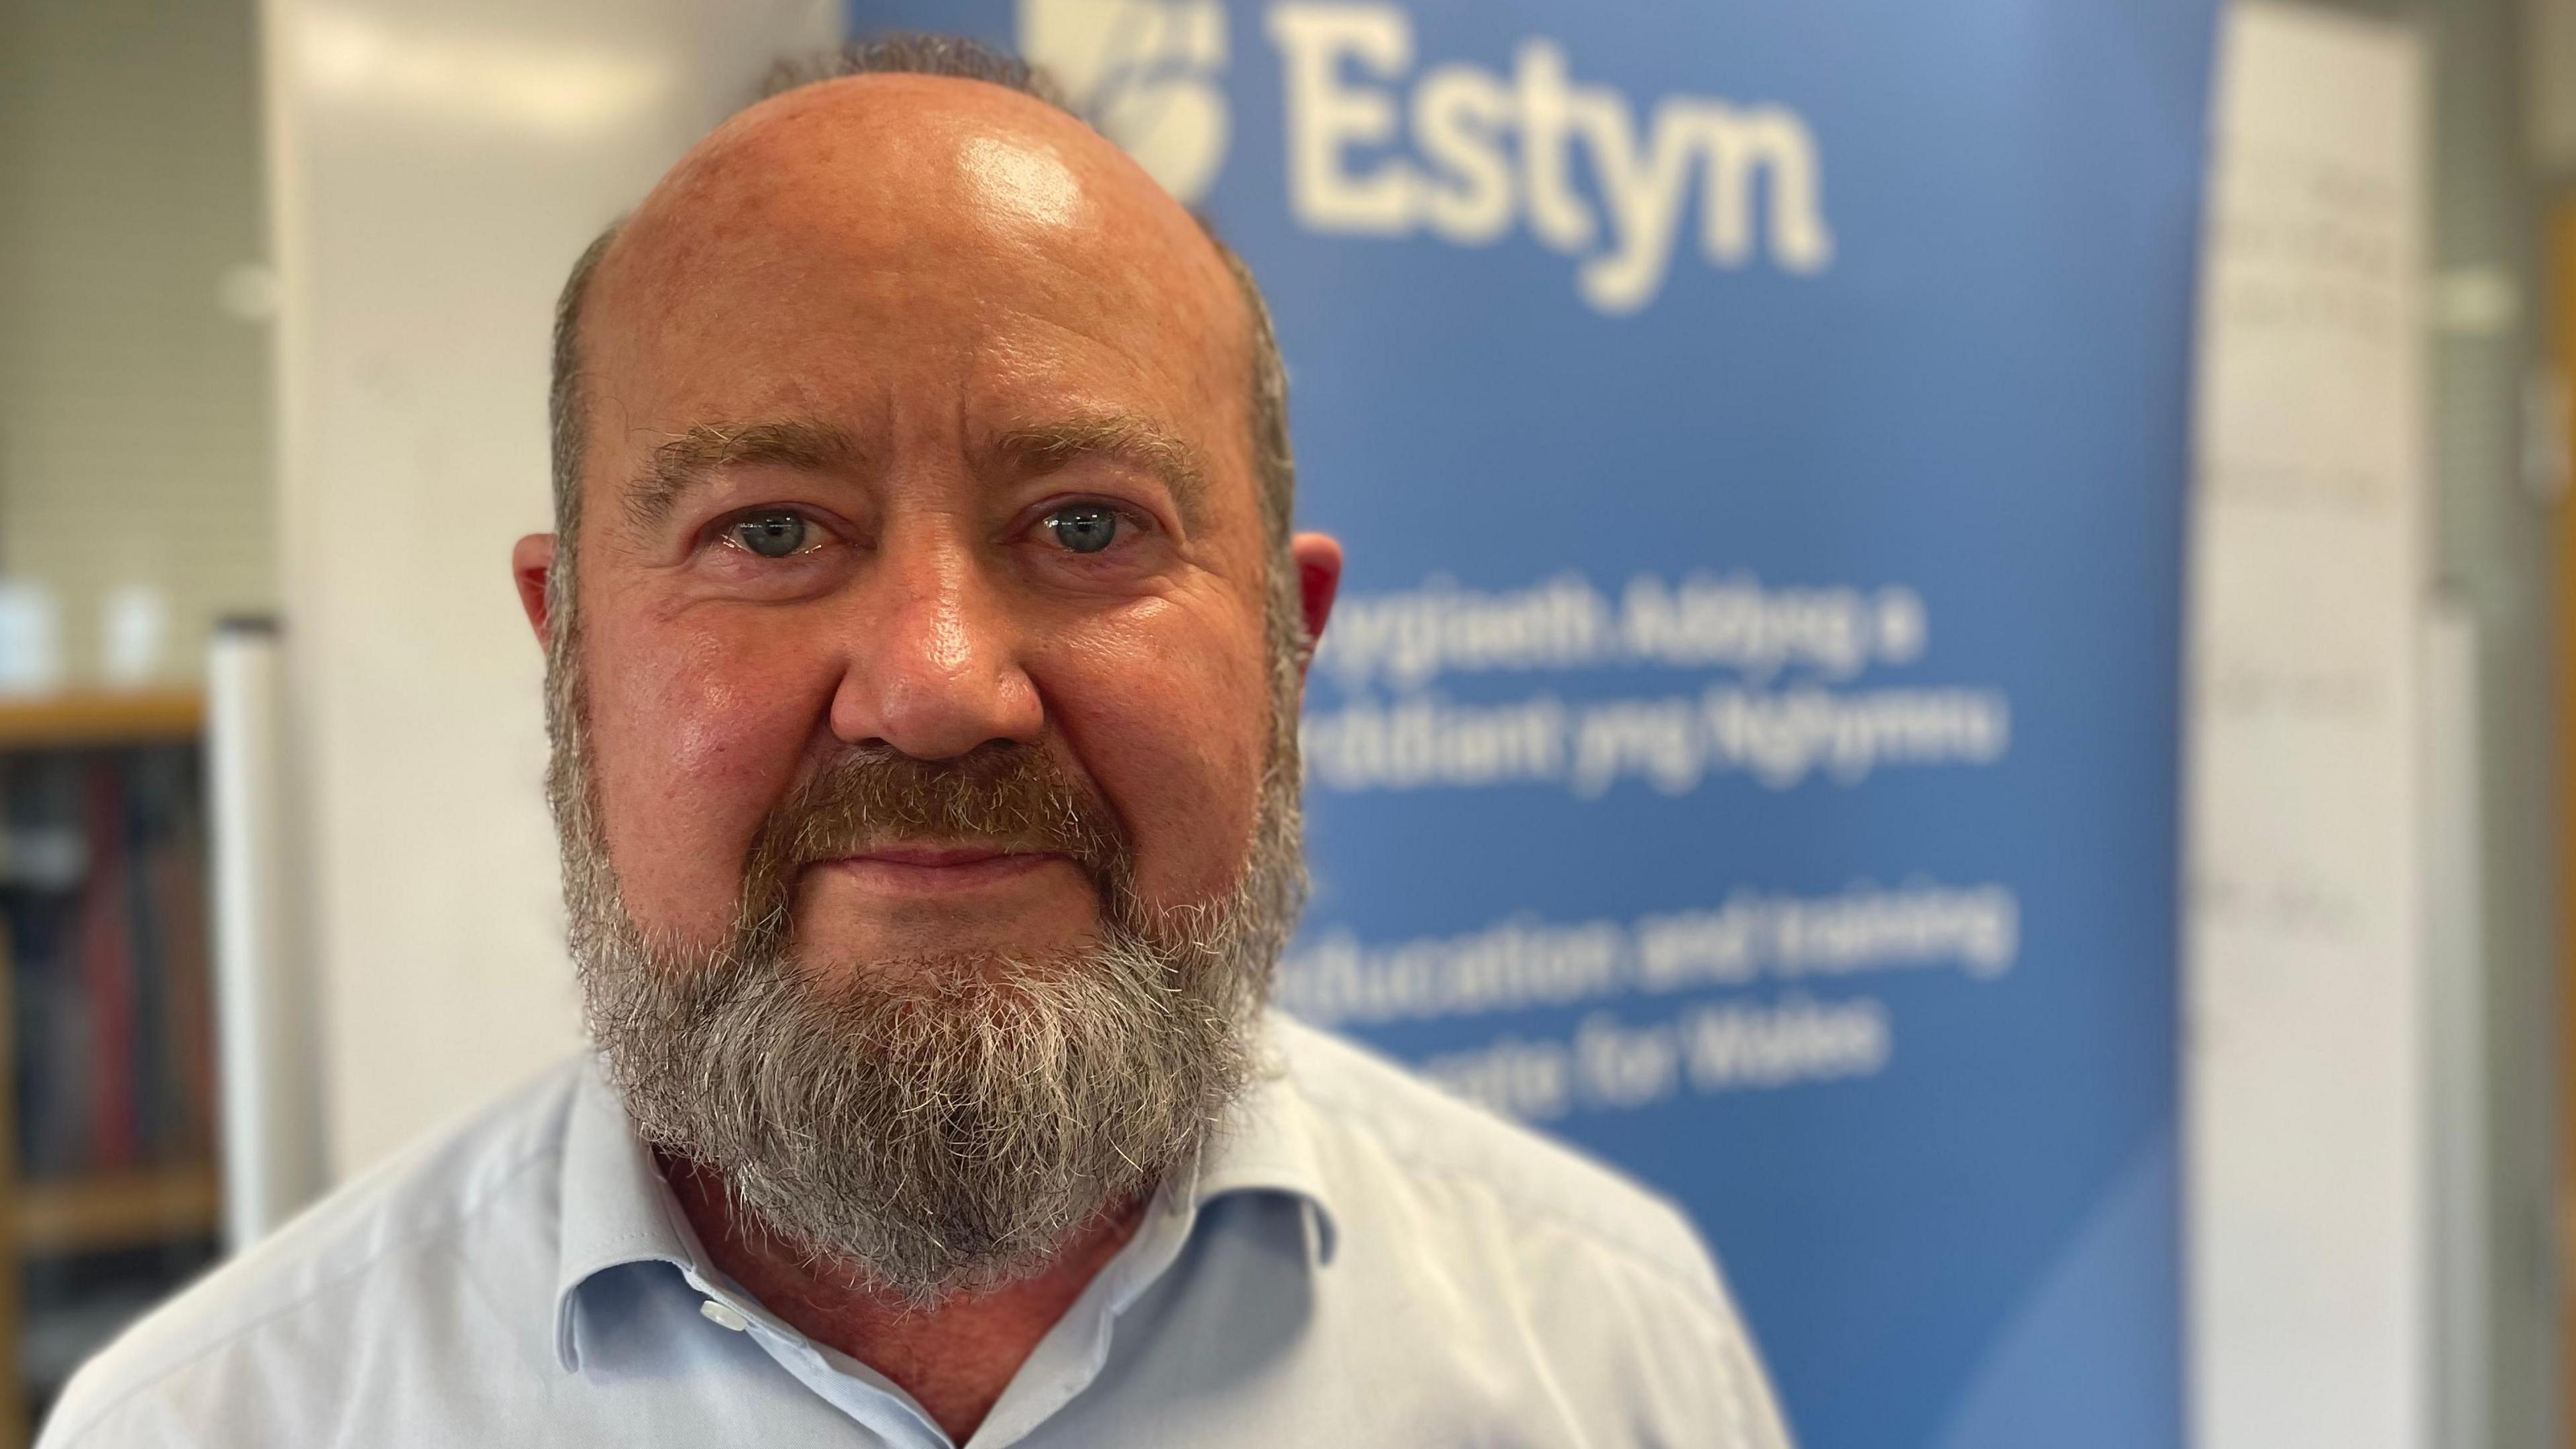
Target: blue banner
{"points": [[1746, 745]]}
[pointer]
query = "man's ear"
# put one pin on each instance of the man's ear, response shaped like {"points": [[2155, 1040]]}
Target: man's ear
{"points": [[532, 562], [1319, 577]]}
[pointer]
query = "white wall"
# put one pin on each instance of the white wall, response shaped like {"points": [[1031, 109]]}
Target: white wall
{"points": [[134, 410], [2549, 85], [438, 164], [2310, 1075]]}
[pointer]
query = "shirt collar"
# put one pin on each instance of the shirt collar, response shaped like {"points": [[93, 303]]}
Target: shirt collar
{"points": [[616, 1209], [1267, 1144]]}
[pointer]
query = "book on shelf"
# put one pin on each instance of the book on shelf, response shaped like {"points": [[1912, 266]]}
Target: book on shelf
{"points": [[102, 897]]}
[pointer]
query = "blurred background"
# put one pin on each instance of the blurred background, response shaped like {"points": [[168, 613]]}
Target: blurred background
{"points": [[2024, 776]]}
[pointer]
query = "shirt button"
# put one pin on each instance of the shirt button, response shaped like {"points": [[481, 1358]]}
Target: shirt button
{"points": [[723, 1315]]}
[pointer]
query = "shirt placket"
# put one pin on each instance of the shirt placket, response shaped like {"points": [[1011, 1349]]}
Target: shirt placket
{"points": [[871, 1400]]}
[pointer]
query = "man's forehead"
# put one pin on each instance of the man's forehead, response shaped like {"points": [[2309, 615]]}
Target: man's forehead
{"points": [[929, 180]]}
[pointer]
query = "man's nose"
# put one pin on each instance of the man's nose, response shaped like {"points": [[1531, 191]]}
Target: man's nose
{"points": [[934, 656]]}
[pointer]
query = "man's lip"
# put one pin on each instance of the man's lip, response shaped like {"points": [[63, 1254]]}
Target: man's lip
{"points": [[932, 854], [914, 868]]}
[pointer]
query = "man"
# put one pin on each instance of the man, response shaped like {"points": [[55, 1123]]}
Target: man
{"points": [[925, 636]]}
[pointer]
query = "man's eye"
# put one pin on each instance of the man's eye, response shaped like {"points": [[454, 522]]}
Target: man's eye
{"points": [[772, 535], [1084, 528]]}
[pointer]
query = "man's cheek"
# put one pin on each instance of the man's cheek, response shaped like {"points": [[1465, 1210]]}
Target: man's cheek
{"points": [[1182, 763], [714, 712], [691, 755]]}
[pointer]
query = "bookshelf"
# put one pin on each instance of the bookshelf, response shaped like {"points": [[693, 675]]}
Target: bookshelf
{"points": [[90, 721], [110, 1196], [118, 1210]]}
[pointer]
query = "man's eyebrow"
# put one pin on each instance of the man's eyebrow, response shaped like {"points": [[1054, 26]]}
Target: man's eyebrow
{"points": [[684, 462], [1123, 437]]}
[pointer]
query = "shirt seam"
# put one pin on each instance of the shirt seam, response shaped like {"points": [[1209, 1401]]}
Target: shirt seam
{"points": [[1361, 1118], [463, 1214], [1708, 1301]]}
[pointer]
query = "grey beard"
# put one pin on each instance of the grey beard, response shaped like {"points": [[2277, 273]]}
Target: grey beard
{"points": [[943, 1126], [932, 1126]]}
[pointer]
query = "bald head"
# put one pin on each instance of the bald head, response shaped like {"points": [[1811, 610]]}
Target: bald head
{"points": [[903, 174], [887, 156], [928, 175]]}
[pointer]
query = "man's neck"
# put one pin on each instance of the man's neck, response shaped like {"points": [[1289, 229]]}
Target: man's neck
{"points": [[954, 1359]]}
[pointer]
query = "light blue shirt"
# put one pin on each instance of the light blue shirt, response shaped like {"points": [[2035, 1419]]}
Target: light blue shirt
{"points": [[1359, 1261]]}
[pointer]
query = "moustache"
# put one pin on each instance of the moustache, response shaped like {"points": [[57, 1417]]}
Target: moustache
{"points": [[1009, 797]]}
